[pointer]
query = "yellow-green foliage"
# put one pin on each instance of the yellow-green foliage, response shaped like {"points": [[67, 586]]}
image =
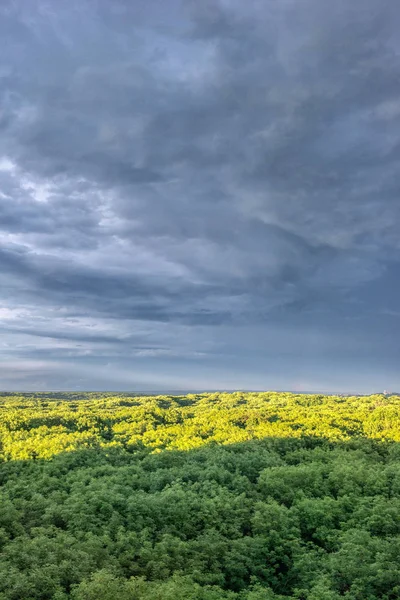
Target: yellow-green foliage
{"points": [[39, 427], [244, 496]]}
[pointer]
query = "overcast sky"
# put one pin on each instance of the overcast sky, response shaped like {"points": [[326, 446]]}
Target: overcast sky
{"points": [[200, 194]]}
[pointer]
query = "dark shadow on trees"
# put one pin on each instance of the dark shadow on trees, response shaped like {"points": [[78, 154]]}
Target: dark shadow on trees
{"points": [[304, 518]]}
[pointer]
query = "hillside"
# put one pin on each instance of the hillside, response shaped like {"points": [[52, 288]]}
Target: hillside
{"points": [[244, 496]]}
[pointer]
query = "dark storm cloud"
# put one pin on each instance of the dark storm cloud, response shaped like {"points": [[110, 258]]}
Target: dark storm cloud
{"points": [[174, 175]]}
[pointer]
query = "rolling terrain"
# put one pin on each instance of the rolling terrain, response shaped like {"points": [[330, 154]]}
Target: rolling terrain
{"points": [[239, 496]]}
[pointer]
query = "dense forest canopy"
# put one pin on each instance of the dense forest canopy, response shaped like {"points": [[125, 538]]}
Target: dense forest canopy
{"points": [[243, 496]]}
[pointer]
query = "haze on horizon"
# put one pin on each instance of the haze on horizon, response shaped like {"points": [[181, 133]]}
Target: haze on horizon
{"points": [[200, 195]]}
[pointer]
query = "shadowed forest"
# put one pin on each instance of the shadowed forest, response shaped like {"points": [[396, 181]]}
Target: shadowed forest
{"points": [[243, 496]]}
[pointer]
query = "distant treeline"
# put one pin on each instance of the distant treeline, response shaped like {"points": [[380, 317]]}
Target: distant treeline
{"points": [[242, 496]]}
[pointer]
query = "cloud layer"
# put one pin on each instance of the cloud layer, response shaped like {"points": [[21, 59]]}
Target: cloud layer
{"points": [[199, 194]]}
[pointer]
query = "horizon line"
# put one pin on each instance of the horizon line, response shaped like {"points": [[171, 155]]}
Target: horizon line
{"points": [[172, 392]]}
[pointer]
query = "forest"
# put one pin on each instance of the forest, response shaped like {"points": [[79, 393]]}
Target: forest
{"points": [[215, 496]]}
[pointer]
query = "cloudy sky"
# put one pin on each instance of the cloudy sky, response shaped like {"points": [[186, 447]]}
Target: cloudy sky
{"points": [[200, 195]]}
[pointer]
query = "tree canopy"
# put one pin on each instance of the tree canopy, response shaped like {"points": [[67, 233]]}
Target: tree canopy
{"points": [[243, 496]]}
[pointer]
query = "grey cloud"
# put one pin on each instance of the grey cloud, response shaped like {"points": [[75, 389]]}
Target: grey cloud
{"points": [[207, 165]]}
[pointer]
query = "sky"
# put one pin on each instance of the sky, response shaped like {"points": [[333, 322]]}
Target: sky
{"points": [[200, 195]]}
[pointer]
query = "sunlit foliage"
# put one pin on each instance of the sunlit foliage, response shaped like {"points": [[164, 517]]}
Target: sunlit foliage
{"points": [[245, 496]]}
